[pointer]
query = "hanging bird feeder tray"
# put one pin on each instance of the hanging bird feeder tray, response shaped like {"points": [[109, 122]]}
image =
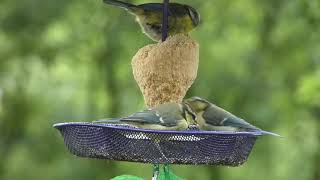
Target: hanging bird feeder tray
{"points": [[124, 143]]}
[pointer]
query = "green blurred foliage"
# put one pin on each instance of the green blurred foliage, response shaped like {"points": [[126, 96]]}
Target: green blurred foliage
{"points": [[70, 61]]}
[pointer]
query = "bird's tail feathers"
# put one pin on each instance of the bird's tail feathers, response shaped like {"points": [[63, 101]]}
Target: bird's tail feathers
{"points": [[120, 4], [270, 133]]}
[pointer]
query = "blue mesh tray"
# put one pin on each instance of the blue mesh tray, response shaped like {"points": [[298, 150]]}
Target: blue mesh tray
{"points": [[123, 143]]}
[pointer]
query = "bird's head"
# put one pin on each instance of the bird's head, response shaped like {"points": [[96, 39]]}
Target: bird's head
{"points": [[197, 104], [194, 15]]}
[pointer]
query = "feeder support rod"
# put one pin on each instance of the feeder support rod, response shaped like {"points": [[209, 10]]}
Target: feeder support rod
{"points": [[165, 20]]}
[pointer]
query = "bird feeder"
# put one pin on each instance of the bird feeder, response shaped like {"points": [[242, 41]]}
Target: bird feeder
{"points": [[164, 73]]}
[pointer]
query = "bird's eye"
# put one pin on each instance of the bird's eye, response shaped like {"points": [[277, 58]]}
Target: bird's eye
{"points": [[191, 13], [194, 116], [197, 99], [190, 111]]}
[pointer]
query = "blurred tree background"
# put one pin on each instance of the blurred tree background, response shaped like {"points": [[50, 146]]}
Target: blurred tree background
{"points": [[69, 60]]}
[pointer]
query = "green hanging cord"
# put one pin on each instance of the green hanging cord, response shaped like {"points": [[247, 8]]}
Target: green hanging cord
{"points": [[127, 177], [167, 174], [166, 170], [155, 176], [155, 171]]}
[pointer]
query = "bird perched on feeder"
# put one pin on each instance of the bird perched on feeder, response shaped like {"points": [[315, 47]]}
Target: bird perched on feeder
{"points": [[182, 18], [213, 118], [168, 116]]}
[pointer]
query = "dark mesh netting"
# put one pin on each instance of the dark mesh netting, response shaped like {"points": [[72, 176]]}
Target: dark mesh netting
{"points": [[123, 143]]}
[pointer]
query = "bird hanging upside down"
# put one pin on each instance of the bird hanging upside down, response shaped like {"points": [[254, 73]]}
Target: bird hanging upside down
{"points": [[182, 18]]}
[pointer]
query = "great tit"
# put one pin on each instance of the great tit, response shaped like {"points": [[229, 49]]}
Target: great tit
{"points": [[182, 18], [168, 116], [210, 117]]}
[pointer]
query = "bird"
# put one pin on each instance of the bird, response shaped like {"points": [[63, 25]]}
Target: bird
{"points": [[210, 117], [182, 18], [167, 116]]}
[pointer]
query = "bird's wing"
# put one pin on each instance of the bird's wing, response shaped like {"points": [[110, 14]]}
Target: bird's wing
{"points": [[150, 117], [151, 7], [219, 117], [173, 9], [143, 117], [214, 115], [237, 122], [108, 120], [240, 123], [146, 116]]}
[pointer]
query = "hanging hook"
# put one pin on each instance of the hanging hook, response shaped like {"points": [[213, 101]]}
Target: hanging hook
{"points": [[165, 26]]}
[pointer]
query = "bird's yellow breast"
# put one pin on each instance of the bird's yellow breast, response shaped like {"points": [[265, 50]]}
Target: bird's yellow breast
{"points": [[150, 22], [181, 24]]}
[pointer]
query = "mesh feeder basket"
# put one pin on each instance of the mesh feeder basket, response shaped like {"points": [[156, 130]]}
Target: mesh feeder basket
{"points": [[123, 143]]}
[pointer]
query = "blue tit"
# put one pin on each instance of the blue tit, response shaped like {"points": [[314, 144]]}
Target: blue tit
{"points": [[168, 116], [182, 18], [210, 117]]}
